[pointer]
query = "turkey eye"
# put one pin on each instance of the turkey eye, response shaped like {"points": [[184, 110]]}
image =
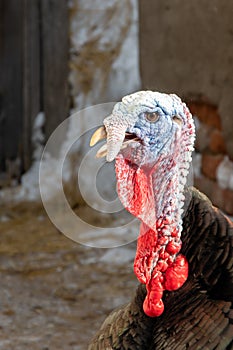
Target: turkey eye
{"points": [[152, 117]]}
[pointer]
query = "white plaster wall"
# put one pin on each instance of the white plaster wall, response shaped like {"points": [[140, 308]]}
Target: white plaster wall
{"points": [[104, 50]]}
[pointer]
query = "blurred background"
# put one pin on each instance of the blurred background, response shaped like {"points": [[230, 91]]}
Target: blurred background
{"points": [[56, 58]]}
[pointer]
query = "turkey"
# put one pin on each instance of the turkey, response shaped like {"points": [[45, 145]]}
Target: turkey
{"points": [[184, 256]]}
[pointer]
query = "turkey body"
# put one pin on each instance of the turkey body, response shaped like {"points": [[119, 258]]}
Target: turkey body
{"points": [[199, 315]]}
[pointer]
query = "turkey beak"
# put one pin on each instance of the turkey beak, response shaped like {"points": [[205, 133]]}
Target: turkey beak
{"points": [[99, 134]]}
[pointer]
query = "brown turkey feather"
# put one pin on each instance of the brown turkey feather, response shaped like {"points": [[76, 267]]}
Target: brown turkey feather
{"points": [[200, 314]]}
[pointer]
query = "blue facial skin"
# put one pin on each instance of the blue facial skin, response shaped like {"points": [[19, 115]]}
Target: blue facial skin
{"points": [[155, 136], [155, 133]]}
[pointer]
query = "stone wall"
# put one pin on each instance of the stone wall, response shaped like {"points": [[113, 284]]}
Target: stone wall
{"points": [[186, 48]]}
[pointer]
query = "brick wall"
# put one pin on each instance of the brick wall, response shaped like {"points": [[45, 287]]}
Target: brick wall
{"points": [[215, 176]]}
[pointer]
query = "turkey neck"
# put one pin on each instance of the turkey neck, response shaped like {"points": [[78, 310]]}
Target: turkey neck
{"points": [[154, 193], [151, 189], [156, 262]]}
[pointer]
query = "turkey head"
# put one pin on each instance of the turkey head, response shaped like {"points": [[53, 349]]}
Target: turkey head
{"points": [[151, 135]]}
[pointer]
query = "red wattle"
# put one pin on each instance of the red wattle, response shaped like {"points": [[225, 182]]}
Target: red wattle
{"points": [[173, 247], [176, 274], [145, 254], [156, 263], [137, 204], [153, 305], [135, 191], [153, 308]]}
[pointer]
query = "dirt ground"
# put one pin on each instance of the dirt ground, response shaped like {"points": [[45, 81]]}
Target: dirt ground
{"points": [[55, 293]]}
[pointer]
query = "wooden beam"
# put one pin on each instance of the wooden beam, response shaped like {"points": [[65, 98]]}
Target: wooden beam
{"points": [[20, 80], [55, 53], [11, 80], [34, 51], [31, 75]]}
